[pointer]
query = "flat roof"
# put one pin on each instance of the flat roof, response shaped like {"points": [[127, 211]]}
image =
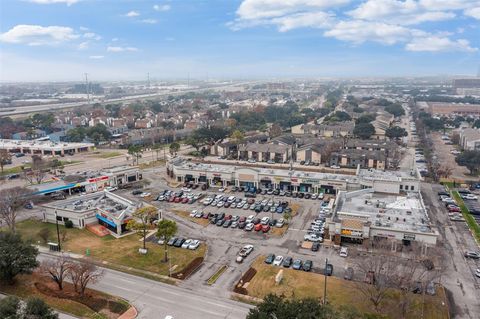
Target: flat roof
{"points": [[103, 201], [397, 212], [230, 169], [41, 145]]}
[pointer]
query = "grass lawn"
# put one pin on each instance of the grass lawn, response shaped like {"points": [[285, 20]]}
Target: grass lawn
{"points": [[472, 223], [279, 232], [14, 170], [152, 164], [186, 215], [123, 251], [300, 284], [217, 275], [94, 304], [108, 154]]}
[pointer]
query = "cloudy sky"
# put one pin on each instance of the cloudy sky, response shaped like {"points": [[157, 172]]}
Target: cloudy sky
{"points": [[125, 39]]}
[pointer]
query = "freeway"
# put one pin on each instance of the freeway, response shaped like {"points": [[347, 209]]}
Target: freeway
{"points": [[51, 107], [157, 300]]}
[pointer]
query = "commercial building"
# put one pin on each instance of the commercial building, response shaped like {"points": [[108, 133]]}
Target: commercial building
{"points": [[104, 208], [448, 109], [44, 147], [366, 215], [470, 139], [467, 86], [292, 180]]}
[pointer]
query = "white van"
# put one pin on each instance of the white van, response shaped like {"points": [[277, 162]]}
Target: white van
{"points": [[343, 252]]}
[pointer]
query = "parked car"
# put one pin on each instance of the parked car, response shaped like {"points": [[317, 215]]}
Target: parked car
{"points": [[297, 264], [137, 192], [258, 227], [477, 272], [249, 227], [265, 220], [472, 254], [246, 250], [343, 252], [348, 274], [280, 223], [270, 258], [329, 270], [172, 241], [315, 246], [194, 244], [278, 261], [287, 262], [307, 265], [186, 243], [265, 228], [178, 242], [220, 222]]}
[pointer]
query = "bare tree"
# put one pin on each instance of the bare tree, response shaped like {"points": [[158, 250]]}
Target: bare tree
{"points": [[328, 149], [38, 170], [57, 269], [11, 199], [5, 158], [83, 274]]}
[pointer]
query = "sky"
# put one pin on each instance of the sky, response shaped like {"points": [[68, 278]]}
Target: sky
{"points": [[60, 40]]}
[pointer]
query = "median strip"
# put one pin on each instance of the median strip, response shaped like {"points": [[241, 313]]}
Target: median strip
{"points": [[216, 275]]}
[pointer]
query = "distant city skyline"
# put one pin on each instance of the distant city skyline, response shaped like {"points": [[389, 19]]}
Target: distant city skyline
{"points": [[60, 40]]}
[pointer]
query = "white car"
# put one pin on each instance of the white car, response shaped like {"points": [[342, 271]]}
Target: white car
{"points": [[221, 190], [194, 244], [265, 220], [278, 261], [220, 204], [477, 272], [186, 243], [207, 201], [145, 194], [111, 188], [245, 251], [246, 206], [193, 213], [186, 189], [343, 252], [313, 238], [198, 214], [280, 223], [470, 196], [249, 219], [335, 166]]}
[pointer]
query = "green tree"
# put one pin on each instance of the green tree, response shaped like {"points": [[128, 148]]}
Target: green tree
{"points": [[469, 159], [476, 124], [364, 130], [16, 257], [36, 308], [395, 132], [275, 130], [76, 134], [395, 109], [166, 230], [136, 151], [367, 118], [10, 307], [287, 216], [174, 147], [141, 220]]}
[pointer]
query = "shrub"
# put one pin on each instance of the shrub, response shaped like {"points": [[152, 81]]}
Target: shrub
{"points": [[68, 224]]}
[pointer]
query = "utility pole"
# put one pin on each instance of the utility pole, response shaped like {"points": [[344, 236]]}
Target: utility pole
{"points": [[86, 88], [58, 232], [325, 286]]}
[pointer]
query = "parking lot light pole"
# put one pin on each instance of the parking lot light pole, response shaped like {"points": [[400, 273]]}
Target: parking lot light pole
{"points": [[58, 232], [325, 285]]}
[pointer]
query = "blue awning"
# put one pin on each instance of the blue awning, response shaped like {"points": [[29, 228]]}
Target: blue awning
{"points": [[105, 220]]}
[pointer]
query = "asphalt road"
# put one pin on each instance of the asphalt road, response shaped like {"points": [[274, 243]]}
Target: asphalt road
{"points": [[157, 300]]}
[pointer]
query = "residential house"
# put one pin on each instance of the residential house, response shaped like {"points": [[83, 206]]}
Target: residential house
{"points": [[143, 123], [265, 152], [29, 135], [351, 158], [229, 147], [382, 123], [340, 129]]}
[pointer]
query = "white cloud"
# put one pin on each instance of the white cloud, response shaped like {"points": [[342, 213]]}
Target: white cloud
{"points": [[68, 2], [359, 31], [84, 29], [114, 39], [83, 45], [473, 12], [96, 57], [132, 14], [91, 35], [161, 7], [121, 49], [435, 44], [149, 21], [38, 35]]}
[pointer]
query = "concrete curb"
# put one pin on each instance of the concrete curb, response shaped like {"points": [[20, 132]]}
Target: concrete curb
{"points": [[131, 313]]}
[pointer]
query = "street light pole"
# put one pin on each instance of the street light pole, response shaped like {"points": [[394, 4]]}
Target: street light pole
{"points": [[325, 286], [58, 231]]}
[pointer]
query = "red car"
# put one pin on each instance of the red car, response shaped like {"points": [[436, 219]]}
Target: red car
{"points": [[258, 227], [265, 228], [228, 217], [242, 219], [171, 199], [177, 200], [454, 209], [251, 201], [185, 200]]}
